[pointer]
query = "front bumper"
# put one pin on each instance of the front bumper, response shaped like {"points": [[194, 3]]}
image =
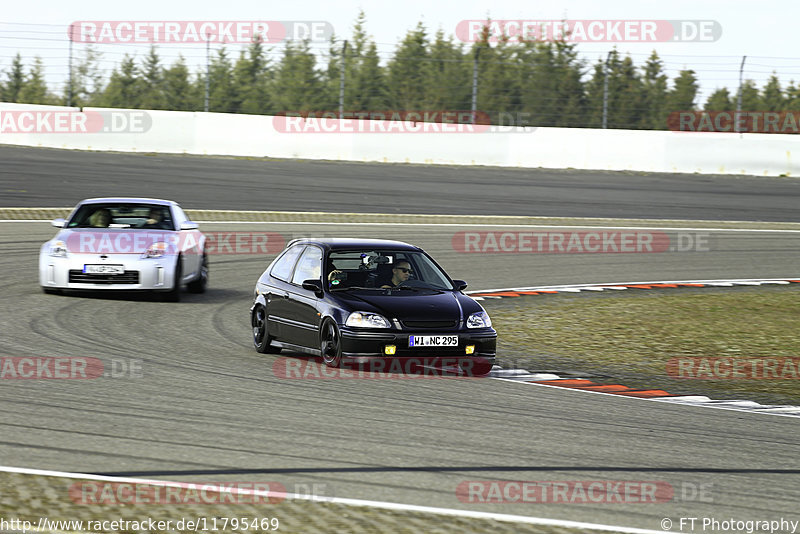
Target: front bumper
{"points": [[140, 274], [363, 347]]}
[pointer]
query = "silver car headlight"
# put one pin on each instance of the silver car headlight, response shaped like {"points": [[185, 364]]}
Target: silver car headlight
{"points": [[479, 320], [367, 320], [156, 250], [58, 249]]}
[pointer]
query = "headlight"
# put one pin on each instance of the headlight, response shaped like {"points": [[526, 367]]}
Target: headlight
{"points": [[156, 250], [58, 249], [367, 320], [479, 320]]}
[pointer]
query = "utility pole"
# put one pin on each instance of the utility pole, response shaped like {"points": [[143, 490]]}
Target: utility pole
{"points": [[208, 68], [71, 40], [605, 93], [739, 98], [341, 80], [475, 84]]}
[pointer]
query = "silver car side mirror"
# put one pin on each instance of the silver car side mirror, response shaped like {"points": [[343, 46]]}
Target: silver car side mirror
{"points": [[58, 223]]}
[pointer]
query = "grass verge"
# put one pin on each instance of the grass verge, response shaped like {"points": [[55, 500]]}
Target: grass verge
{"points": [[630, 336]]}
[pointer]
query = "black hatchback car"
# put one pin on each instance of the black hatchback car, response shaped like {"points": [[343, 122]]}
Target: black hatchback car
{"points": [[358, 300]]}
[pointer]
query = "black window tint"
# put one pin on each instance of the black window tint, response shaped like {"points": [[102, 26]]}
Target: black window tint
{"points": [[283, 267]]}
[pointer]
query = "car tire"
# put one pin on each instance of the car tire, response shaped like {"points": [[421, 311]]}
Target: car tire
{"points": [[174, 294], [262, 341], [199, 284], [330, 341]]}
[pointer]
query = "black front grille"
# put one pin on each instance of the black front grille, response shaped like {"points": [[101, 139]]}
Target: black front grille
{"points": [[77, 276], [429, 324]]}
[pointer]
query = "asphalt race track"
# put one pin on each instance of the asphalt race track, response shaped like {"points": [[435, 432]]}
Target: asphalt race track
{"points": [[207, 407], [47, 177]]}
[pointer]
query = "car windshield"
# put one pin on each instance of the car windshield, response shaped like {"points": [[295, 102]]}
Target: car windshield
{"points": [[384, 269], [122, 215]]}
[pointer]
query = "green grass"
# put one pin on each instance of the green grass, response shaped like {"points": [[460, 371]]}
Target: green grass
{"points": [[630, 336]]}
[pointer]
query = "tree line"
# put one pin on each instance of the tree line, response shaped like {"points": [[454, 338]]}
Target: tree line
{"points": [[546, 83]]}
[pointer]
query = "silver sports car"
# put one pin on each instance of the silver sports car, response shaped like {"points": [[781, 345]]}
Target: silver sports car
{"points": [[125, 244]]}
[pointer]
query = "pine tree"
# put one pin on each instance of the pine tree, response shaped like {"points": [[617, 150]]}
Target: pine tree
{"points": [[221, 98], [297, 85], [792, 97], [34, 91], [365, 79], [251, 75], [124, 89], [15, 80], [87, 81], [551, 91], [448, 76], [683, 93], [594, 96], [654, 97], [720, 100], [626, 108], [405, 77], [773, 98], [179, 92], [751, 98], [499, 84], [153, 96], [370, 90]]}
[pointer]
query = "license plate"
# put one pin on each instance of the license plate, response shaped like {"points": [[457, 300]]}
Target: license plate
{"points": [[432, 341], [104, 269]]}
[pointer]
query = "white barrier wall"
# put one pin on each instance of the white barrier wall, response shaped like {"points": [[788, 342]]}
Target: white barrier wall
{"points": [[560, 148]]}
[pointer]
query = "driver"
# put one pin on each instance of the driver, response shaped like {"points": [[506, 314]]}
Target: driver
{"points": [[100, 218], [400, 274], [154, 219]]}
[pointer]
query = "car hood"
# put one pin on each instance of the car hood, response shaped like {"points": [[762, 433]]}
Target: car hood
{"points": [[113, 240], [422, 306]]}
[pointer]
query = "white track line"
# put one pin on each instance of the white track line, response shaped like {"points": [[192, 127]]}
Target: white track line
{"points": [[473, 225], [343, 501]]}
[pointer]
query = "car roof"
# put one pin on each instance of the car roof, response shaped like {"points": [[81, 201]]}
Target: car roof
{"points": [[347, 243], [128, 200]]}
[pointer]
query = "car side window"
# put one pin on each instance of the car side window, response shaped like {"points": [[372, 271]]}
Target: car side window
{"points": [[309, 266], [283, 267]]}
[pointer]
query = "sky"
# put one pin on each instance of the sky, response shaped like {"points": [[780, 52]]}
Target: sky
{"points": [[764, 31]]}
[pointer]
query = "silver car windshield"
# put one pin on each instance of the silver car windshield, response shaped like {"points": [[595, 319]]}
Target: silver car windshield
{"points": [[132, 216], [384, 269]]}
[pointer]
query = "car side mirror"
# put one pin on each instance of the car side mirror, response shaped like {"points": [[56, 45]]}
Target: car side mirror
{"points": [[460, 285], [58, 223], [314, 285], [189, 225]]}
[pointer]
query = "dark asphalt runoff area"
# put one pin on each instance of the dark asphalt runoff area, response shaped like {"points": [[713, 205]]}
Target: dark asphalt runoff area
{"points": [[192, 401]]}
